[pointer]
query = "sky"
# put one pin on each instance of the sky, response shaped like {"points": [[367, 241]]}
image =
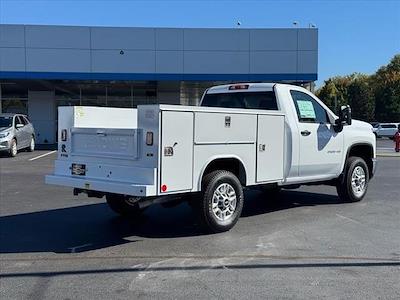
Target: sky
{"points": [[354, 35]]}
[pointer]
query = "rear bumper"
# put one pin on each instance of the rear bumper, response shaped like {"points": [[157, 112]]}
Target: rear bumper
{"points": [[124, 188]]}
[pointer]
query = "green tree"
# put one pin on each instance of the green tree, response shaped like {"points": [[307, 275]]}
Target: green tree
{"points": [[361, 98], [386, 85]]}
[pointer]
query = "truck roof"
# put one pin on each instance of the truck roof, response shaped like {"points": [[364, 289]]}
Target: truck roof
{"points": [[241, 87]]}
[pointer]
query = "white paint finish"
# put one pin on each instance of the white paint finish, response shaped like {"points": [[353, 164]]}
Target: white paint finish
{"points": [[43, 155], [308, 39], [264, 62], [210, 128], [216, 39], [149, 120], [123, 38], [177, 132], [12, 59], [307, 61], [209, 62], [60, 37], [12, 36], [205, 154], [42, 113], [169, 62], [101, 117], [169, 39], [273, 39], [270, 134], [132, 61], [105, 142], [57, 60]]}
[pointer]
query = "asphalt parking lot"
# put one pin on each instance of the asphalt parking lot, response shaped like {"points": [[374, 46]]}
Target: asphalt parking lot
{"points": [[308, 245]]}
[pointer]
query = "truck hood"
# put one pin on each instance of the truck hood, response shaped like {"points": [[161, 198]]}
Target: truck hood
{"points": [[361, 125]]}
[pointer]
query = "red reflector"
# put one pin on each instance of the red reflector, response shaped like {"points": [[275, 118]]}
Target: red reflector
{"points": [[163, 188], [239, 87]]}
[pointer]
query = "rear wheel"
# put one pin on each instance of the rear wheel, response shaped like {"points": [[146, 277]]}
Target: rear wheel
{"points": [[124, 205], [354, 185], [222, 201], [13, 148]]}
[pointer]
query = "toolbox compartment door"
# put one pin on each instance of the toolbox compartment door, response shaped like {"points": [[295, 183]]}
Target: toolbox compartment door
{"points": [[103, 142], [270, 148], [176, 151]]}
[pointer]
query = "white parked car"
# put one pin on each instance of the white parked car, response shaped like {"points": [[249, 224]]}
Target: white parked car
{"points": [[243, 135], [385, 130]]}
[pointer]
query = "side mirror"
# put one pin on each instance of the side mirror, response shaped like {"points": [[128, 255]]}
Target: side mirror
{"points": [[344, 118], [345, 115], [19, 126]]}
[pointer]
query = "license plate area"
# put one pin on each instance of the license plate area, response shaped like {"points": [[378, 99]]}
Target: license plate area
{"points": [[78, 169]]}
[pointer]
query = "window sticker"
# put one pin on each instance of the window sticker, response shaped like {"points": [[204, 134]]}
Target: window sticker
{"points": [[306, 109]]}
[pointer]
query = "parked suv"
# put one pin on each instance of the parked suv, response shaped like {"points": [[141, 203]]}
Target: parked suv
{"points": [[16, 133], [385, 130]]}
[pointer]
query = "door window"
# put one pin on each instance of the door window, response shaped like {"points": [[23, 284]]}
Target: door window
{"points": [[308, 109], [18, 121]]}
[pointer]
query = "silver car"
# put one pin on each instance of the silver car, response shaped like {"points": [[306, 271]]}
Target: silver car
{"points": [[16, 132]]}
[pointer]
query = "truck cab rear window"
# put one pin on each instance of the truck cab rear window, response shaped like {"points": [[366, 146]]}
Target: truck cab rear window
{"points": [[249, 100]]}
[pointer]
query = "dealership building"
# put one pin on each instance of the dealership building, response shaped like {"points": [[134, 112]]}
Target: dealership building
{"points": [[43, 67]]}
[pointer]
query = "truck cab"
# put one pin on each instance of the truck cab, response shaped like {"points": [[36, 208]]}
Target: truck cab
{"points": [[244, 135]]}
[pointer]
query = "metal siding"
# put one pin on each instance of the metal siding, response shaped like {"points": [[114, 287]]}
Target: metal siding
{"points": [[169, 62], [307, 61], [308, 39], [12, 36], [139, 61], [53, 60], [273, 62], [216, 39], [273, 39], [158, 54], [122, 38], [169, 39], [215, 61], [12, 59], [59, 37]]}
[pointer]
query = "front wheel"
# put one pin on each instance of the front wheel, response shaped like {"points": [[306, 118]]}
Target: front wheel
{"points": [[13, 148], [222, 201], [124, 205], [31, 147], [354, 185]]}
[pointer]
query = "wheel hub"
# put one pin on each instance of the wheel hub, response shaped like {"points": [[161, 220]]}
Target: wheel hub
{"points": [[358, 181], [224, 202]]}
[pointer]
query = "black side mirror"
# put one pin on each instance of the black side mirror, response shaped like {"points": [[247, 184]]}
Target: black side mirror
{"points": [[345, 115], [344, 118]]}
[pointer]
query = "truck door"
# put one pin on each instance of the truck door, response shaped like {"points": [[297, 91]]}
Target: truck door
{"points": [[176, 151], [321, 148], [270, 147]]}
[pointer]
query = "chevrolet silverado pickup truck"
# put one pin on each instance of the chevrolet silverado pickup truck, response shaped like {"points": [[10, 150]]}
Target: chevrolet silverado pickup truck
{"points": [[244, 135]]}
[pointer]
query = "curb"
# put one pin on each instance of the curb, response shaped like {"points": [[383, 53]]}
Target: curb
{"points": [[388, 154]]}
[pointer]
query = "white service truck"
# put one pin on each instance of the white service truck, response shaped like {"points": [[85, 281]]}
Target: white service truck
{"points": [[260, 135]]}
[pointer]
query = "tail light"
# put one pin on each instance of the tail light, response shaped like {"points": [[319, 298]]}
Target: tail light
{"points": [[149, 138]]}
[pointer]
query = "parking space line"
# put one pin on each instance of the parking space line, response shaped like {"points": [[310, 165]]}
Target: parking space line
{"points": [[43, 155]]}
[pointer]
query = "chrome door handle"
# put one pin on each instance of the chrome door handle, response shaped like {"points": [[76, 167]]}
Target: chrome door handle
{"points": [[305, 132]]}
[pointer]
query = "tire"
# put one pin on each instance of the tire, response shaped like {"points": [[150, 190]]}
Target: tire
{"points": [[356, 177], [31, 147], [219, 213], [13, 148], [120, 204]]}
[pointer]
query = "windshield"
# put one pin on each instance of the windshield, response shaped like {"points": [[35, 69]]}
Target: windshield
{"points": [[251, 100], [5, 121]]}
